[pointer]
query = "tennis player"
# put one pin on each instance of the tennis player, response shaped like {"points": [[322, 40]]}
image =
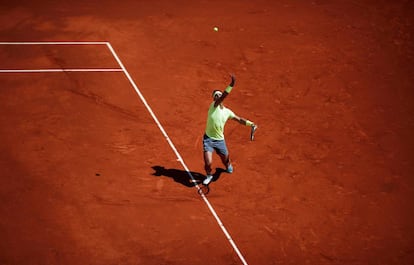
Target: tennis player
{"points": [[213, 139]]}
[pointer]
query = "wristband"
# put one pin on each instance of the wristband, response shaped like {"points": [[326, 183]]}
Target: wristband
{"points": [[228, 89], [249, 123]]}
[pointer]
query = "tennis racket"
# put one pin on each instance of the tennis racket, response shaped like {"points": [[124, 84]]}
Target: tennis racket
{"points": [[252, 131]]}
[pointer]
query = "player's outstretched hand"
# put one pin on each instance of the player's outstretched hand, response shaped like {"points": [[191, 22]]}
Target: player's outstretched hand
{"points": [[233, 80]]}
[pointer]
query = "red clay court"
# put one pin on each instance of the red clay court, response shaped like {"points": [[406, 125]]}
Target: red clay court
{"points": [[104, 106]]}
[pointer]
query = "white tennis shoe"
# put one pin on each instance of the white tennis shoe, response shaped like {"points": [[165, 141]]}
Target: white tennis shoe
{"points": [[208, 179]]}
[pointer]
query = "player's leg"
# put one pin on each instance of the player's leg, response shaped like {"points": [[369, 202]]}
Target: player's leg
{"points": [[223, 152], [225, 159], [208, 158]]}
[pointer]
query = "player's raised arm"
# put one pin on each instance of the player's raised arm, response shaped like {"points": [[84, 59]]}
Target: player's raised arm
{"points": [[226, 91]]}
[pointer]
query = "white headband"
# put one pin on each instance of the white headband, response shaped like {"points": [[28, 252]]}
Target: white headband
{"points": [[217, 93]]}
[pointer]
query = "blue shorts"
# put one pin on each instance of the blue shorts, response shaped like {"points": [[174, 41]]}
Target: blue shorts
{"points": [[209, 145]]}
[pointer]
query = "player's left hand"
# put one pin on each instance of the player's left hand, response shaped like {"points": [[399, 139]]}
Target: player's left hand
{"points": [[233, 80]]}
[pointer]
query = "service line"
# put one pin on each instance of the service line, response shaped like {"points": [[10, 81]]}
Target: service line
{"points": [[59, 70], [54, 43]]}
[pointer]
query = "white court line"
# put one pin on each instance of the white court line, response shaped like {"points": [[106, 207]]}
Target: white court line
{"points": [[179, 158], [59, 70], [55, 43], [56, 70]]}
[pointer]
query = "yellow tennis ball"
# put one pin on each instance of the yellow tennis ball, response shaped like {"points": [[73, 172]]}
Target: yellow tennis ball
{"points": [[215, 29]]}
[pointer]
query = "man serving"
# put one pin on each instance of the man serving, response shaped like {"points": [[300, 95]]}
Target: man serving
{"points": [[213, 139]]}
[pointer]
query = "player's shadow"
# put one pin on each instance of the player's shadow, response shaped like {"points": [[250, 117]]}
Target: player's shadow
{"points": [[183, 177]]}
